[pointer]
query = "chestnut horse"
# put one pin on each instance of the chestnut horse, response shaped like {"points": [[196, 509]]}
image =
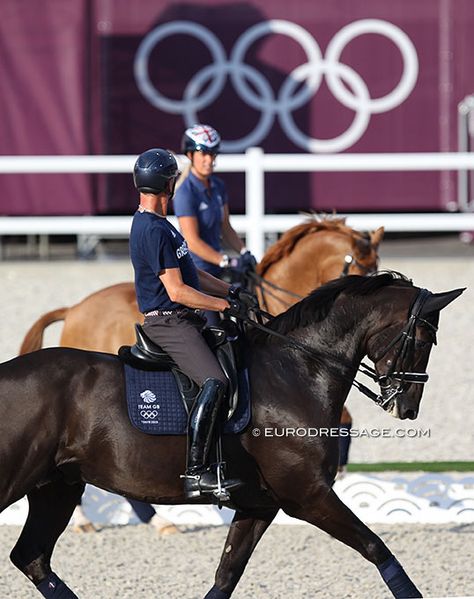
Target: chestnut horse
{"points": [[304, 258], [64, 423]]}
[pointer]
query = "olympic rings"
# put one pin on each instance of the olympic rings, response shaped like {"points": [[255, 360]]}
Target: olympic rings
{"points": [[266, 120], [148, 414], [260, 94], [143, 54], [301, 36], [355, 130], [407, 50]]}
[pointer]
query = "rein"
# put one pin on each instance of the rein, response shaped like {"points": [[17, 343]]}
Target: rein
{"points": [[393, 382], [288, 340], [260, 282]]}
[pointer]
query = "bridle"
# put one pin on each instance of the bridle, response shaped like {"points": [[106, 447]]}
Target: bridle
{"points": [[398, 376], [349, 260]]}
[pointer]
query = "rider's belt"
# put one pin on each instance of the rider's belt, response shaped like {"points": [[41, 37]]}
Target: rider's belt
{"points": [[162, 312], [170, 312]]}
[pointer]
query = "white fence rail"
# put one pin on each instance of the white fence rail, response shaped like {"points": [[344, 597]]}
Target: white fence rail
{"points": [[254, 163]]}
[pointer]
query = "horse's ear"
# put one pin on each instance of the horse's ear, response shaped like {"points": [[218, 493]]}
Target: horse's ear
{"points": [[376, 236], [438, 301]]}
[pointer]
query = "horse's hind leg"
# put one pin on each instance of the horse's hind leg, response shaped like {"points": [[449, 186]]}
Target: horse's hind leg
{"points": [[245, 532], [330, 514], [50, 509]]}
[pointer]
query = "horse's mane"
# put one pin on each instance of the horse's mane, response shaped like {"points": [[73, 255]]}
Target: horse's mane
{"points": [[285, 245], [316, 306]]}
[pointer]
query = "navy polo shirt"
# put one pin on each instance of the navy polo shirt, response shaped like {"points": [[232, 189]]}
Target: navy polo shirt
{"points": [[193, 198], [155, 245]]}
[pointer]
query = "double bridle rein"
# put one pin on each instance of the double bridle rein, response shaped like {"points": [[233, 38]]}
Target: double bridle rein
{"points": [[267, 288], [395, 380]]}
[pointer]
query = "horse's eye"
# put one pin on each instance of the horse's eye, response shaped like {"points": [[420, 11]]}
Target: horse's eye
{"points": [[420, 344]]}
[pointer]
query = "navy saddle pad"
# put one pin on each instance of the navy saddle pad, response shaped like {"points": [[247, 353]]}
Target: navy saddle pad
{"points": [[155, 405]]}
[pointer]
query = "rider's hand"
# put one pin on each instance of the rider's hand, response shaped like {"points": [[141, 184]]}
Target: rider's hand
{"points": [[247, 261], [233, 292], [236, 308], [245, 296]]}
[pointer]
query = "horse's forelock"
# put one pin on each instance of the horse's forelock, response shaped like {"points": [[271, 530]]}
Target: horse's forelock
{"points": [[362, 244]]}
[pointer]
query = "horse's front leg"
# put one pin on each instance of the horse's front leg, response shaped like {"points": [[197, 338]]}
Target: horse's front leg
{"points": [[326, 511], [245, 532]]}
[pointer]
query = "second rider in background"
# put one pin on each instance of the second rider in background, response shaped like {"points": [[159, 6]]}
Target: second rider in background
{"points": [[201, 206]]}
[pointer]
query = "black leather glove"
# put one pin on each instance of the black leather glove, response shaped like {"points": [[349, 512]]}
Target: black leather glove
{"points": [[245, 296], [247, 261], [233, 292], [236, 308]]}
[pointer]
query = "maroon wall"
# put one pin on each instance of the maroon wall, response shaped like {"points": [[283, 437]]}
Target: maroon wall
{"points": [[72, 89], [43, 102]]}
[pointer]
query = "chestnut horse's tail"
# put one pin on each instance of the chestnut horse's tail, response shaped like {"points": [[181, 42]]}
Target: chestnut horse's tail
{"points": [[34, 337]]}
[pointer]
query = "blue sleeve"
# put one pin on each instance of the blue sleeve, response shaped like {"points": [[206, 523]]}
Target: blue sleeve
{"points": [[161, 251], [184, 202]]}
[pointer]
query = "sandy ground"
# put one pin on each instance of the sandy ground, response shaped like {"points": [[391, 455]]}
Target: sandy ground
{"points": [[446, 420], [291, 561]]}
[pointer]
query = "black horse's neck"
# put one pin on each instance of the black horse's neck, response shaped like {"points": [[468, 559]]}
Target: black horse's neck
{"points": [[335, 322]]}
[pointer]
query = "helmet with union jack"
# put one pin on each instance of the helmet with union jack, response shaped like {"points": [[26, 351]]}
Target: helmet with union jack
{"points": [[201, 138]]}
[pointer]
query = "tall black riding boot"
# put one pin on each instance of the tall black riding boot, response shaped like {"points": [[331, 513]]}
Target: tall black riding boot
{"points": [[198, 479]]}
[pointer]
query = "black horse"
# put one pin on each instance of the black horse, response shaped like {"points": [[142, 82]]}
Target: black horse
{"points": [[63, 422]]}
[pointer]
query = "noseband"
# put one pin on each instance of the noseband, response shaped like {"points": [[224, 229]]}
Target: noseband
{"points": [[395, 380]]}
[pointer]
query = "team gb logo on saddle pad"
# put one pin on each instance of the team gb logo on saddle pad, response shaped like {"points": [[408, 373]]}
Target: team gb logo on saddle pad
{"points": [[155, 404], [148, 396]]}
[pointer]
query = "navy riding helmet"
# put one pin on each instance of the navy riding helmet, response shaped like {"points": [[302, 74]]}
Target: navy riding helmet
{"points": [[201, 138], [153, 171]]}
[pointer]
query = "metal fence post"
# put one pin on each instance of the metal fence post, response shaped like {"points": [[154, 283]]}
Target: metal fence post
{"points": [[255, 201]]}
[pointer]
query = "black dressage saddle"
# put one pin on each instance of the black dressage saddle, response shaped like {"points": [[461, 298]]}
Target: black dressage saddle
{"points": [[223, 341]]}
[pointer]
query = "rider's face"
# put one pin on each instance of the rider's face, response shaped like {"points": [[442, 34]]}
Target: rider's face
{"points": [[202, 163]]}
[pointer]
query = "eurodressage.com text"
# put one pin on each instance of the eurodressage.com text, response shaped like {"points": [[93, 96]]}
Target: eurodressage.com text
{"points": [[400, 433]]}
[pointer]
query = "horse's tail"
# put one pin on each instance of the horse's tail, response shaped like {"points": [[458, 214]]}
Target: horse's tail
{"points": [[34, 337]]}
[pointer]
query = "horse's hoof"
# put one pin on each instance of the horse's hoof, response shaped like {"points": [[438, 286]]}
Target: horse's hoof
{"points": [[169, 529], [87, 527]]}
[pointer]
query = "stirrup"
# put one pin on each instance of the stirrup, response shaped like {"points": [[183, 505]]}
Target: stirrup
{"points": [[196, 485]]}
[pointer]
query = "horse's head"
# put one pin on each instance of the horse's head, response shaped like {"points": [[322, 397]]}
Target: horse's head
{"points": [[363, 258], [400, 351]]}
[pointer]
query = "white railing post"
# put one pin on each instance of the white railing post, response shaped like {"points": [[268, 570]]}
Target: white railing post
{"points": [[255, 201], [465, 109]]}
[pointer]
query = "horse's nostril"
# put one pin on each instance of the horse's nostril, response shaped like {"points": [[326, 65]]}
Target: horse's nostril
{"points": [[411, 414]]}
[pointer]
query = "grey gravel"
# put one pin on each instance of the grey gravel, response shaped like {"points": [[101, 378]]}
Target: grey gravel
{"points": [[291, 561]]}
